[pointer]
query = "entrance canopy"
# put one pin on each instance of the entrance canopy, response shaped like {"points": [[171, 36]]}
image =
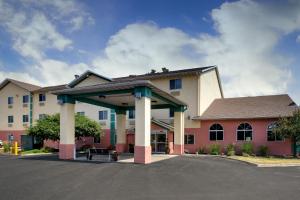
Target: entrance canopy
{"points": [[120, 95], [138, 95]]}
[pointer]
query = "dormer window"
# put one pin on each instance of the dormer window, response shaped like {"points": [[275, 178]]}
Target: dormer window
{"points": [[175, 84]]}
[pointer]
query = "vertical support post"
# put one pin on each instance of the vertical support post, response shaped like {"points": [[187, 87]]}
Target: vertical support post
{"points": [[121, 131], [178, 132], [112, 127], [142, 149], [67, 129]]}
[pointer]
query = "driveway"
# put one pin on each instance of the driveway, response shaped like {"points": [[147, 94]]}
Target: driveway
{"points": [[177, 178]]}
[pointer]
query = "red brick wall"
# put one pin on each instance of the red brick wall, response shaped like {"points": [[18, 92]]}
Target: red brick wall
{"points": [[16, 133], [259, 136]]}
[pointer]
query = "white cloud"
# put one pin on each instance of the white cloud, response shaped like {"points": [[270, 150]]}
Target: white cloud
{"points": [[32, 33], [244, 47]]}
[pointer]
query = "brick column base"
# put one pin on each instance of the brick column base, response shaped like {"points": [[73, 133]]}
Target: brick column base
{"points": [[142, 154], [67, 151], [120, 148], [178, 149]]}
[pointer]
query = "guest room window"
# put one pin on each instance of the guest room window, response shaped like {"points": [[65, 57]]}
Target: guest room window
{"points": [[189, 139], [175, 84]]}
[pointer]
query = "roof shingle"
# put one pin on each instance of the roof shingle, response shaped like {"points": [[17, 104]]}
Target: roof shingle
{"points": [[272, 106]]}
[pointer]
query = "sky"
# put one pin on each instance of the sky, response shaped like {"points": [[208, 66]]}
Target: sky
{"points": [[255, 44]]}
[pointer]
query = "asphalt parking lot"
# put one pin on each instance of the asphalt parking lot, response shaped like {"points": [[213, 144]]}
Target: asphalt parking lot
{"points": [[176, 178]]}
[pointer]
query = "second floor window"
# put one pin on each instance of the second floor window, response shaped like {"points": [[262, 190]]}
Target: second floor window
{"points": [[103, 115], [10, 100], [25, 99], [131, 114], [10, 119], [175, 84], [171, 113], [25, 118], [42, 97]]}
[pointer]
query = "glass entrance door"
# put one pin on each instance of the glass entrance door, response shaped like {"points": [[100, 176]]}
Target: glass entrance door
{"points": [[158, 142]]}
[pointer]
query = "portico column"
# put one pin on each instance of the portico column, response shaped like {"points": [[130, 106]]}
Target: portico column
{"points": [[67, 129], [142, 149], [178, 132], [121, 131]]}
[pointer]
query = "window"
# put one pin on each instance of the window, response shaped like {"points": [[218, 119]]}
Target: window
{"points": [[42, 116], [10, 100], [131, 114], [171, 113], [216, 132], [25, 99], [189, 139], [244, 132], [81, 113], [42, 97], [10, 119], [175, 84], [25, 119], [273, 136], [103, 115]]}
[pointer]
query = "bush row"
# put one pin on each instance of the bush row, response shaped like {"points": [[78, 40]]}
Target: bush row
{"points": [[246, 149]]}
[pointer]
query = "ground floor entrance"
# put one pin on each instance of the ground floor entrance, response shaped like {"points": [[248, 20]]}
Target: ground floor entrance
{"points": [[158, 141]]}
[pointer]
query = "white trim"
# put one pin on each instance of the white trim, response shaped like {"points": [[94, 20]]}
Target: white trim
{"points": [[193, 134], [215, 132], [252, 134], [267, 130]]}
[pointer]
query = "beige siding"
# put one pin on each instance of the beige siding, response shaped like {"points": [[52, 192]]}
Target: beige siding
{"points": [[48, 107], [92, 112], [91, 80], [12, 90], [209, 90], [188, 94]]}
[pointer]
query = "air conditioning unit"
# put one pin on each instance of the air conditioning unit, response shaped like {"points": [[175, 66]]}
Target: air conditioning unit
{"points": [[132, 122], [10, 125], [41, 103], [25, 105], [10, 106], [175, 93], [103, 123], [25, 125]]}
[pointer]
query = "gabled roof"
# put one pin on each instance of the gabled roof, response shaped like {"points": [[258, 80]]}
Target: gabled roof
{"points": [[23, 85], [84, 76], [52, 88], [162, 124], [258, 107], [155, 75]]}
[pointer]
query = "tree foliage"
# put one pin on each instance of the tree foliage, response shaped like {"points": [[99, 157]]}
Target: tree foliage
{"points": [[289, 127], [49, 127]]}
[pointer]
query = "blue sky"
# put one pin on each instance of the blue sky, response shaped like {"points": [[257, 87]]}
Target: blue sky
{"points": [[255, 44]]}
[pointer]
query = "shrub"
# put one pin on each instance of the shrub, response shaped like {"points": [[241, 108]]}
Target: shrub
{"points": [[230, 150], [6, 147], [247, 149], [201, 150], [215, 149], [263, 150]]}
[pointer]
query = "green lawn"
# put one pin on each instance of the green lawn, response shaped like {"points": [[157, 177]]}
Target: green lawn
{"points": [[33, 151], [265, 160]]}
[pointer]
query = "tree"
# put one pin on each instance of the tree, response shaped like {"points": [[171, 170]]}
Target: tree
{"points": [[289, 127], [49, 127]]}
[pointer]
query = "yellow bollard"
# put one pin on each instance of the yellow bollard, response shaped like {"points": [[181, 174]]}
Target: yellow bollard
{"points": [[16, 148]]}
